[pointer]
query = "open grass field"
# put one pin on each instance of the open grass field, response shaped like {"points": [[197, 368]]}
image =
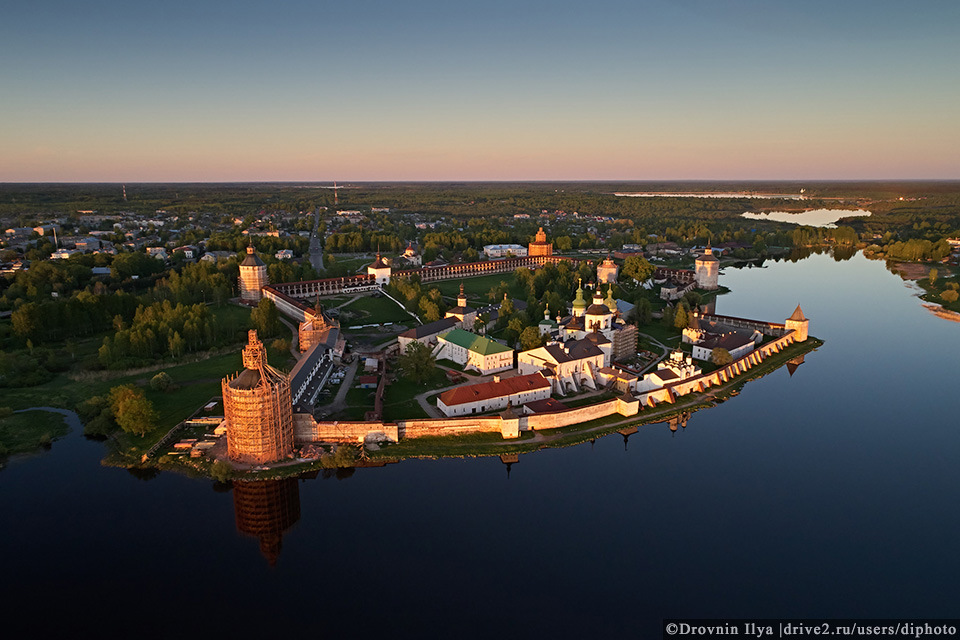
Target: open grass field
{"points": [[475, 288], [370, 310]]}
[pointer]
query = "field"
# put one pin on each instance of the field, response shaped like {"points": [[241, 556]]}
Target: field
{"points": [[475, 288], [371, 310]]}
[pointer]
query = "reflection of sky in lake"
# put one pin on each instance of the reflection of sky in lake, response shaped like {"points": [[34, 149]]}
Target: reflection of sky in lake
{"points": [[820, 494], [813, 218]]}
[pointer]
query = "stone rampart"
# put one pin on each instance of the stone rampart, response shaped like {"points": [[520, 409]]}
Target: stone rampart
{"points": [[307, 430], [766, 328]]}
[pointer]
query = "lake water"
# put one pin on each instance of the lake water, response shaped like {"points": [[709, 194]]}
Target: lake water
{"points": [[812, 218], [831, 492]]}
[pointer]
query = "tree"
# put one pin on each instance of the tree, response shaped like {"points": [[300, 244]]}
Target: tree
{"points": [[161, 382], [530, 338], [266, 318], [638, 268], [429, 309], [417, 362], [221, 471], [668, 313], [643, 311], [933, 275], [680, 318], [720, 357], [950, 295], [132, 411]]}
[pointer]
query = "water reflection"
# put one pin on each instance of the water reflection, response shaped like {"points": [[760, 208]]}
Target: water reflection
{"points": [[266, 509]]}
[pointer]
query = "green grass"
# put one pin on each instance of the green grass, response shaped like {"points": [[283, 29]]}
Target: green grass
{"points": [[461, 445], [370, 310], [667, 335], [475, 288], [22, 432]]}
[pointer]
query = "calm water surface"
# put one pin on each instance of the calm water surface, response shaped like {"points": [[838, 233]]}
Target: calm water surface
{"points": [[831, 492], [812, 218]]}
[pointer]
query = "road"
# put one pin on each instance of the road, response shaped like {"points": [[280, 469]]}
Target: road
{"points": [[316, 245]]}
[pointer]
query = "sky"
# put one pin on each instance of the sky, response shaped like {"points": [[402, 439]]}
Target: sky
{"points": [[367, 90]]}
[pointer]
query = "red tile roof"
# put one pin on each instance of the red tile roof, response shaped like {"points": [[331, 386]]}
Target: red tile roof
{"points": [[490, 390]]}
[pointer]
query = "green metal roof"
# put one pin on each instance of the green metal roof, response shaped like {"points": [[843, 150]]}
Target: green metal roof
{"points": [[473, 342]]}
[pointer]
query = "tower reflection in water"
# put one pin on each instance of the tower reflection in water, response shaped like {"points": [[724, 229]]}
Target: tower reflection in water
{"points": [[266, 509]]}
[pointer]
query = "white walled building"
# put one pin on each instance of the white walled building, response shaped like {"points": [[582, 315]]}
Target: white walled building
{"points": [[474, 352], [494, 395]]}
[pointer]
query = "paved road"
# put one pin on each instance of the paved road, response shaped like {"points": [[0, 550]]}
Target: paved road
{"points": [[316, 246]]}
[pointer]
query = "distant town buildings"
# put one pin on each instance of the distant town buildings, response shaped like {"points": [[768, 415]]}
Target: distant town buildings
{"points": [[505, 250]]}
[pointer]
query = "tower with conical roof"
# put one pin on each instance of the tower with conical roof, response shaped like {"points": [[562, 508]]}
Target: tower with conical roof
{"points": [[707, 270], [799, 324], [253, 277], [258, 409]]}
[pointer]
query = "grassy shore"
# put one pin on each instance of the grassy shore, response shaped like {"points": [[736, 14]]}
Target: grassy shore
{"points": [[29, 431]]}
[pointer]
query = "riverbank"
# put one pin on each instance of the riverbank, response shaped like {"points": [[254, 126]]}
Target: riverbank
{"points": [[476, 445], [30, 430]]}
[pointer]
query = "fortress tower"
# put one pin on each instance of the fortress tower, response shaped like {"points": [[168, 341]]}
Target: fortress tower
{"points": [[380, 270], [540, 246], [799, 324], [707, 270], [607, 271], [258, 409], [253, 277]]}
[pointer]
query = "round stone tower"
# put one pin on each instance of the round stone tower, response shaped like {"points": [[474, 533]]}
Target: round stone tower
{"points": [[707, 270], [253, 277], [258, 409], [799, 324]]}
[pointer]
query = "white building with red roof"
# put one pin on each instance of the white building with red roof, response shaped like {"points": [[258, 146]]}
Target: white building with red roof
{"points": [[494, 395]]}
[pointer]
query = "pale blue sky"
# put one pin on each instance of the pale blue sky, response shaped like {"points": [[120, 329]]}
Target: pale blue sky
{"points": [[427, 90]]}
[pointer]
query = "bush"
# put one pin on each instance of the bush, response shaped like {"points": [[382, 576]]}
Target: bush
{"points": [[5, 412], [100, 426], [92, 407], [221, 471], [950, 295], [45, 441], [280, 345], [161, 382]]}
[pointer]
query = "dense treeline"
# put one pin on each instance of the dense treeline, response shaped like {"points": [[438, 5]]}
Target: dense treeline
{"points": [[84, 314], [163, 329]]}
